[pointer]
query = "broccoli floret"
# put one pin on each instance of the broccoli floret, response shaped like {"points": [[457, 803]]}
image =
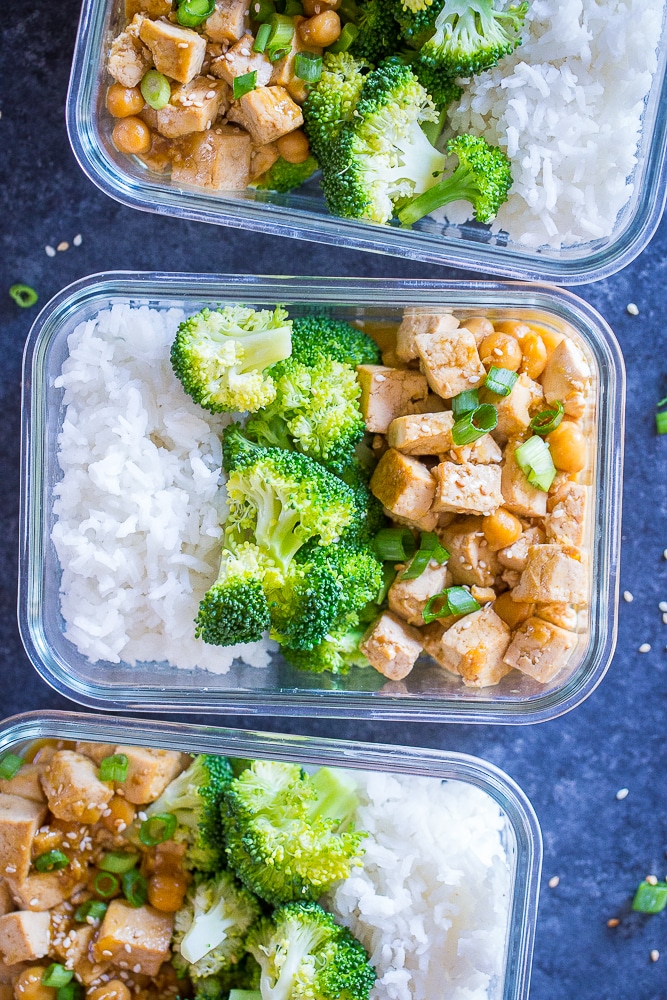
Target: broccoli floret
{"points": [[378, 33], [383, 157], [220, 356], [416, 20], [336, 655], [483, 177], [194, 798], [313, 336], [333, 98], [304, 953], [210, 927], [242, 975], [441, 88], [306, 606], [284, 176], [472, 35], [355, 567], [235, 608], [279, 843]]}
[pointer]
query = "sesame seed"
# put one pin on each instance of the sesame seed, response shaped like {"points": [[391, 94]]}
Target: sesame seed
{"points": [[644, 648], [655, 955], [10, 869], [34, 902], [663, 605], [627, 596], [78, 240], [50, 251], [664, 619], [142, 816], [632, 309], [107, 954], [651, 879], [62, 246], [474, 378], [613, 922], [498, 352], [622, 793], [128, 948], [182, 45], [664, 553], [380, 378], [554, 881], [136, 968]]}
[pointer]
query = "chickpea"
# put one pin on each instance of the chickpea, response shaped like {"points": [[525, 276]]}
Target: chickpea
{"points": [[311, 7], [568, 446], [513, 613], [479, 326], [124, 101], [501, 350], [551, 340], [28, 986], [514, 327], [121, 814], [115, 989], [501, 529], [166, 892], [294, 146], [534, 359], [131, 135], [321, 29]]}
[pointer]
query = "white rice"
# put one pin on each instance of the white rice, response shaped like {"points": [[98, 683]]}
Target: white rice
{"points": [[567, 108], [138, 508], [431, 901]]}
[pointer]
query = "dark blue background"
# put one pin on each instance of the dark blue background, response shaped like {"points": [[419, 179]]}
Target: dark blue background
{"points": [[571, 768]]}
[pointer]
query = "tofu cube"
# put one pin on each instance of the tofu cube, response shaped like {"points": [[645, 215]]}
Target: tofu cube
{"points": [[520, 496], [19, 821], [193, 107], [421, 320], [262, 159], [6, 991], [6, 898], [24, 936], [471, 561], [514, 410], [408, 598], [431, 638], [131, 936], [566, 520], [421, 433], [450, 361], [283, 71], [128, 60], [515, 556], [240, 59], [403, 485], [429, 522], [96, 751], [149, 8], [387, 393], [552, 575], [540, 649], [228, 22], [149, 772], [562, 615], [474, 648], [266, 113], [467, 488], [567, 377], [177, 52], [217, 158], [73, 788], [391, 646], [483, 451], [26, 783], [42, 891], [72, 948]]}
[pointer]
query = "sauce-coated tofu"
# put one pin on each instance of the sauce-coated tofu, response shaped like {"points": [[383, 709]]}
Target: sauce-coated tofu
{"points": [[228, 22], [42, 891], [421, 320], [26, 783], [150, 8], [96, 751], [24, 936], [128, 59], [450, 361], [391, 646], [177, 52], [283, 70], [403, 485], [567, 377], [193, 107], [73, 788], [483, 451], [520, 496], [218, 158], [431, 639], [267, 113], [467, 488], [514, 410], [563, 615], [552, 575], [474, 647], [471, 561], [408, 598], [387, 393], [515, 556], [6, 898], [19, 821], [429, 521], [421, 433], [566, 519], [239, 60], [149, 772], [145, 931], [540, 649]]}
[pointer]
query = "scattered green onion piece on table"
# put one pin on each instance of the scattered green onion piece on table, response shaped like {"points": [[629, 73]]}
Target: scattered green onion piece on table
{"points": [[345, 39], [394, 544], [546, 421], [23, 295], [308, 67], [475, 424], [57, 975], [72, 991], [157, 829], [456, 601], [155, 89], [135, 888], [262, 37], [280, 39], [93, 909], [429, 548], [106, 885], [262, 11], [650, 898], [465, 402], [10, 765], [244, 84], [118, 862], [52, 861], [500, 380], [534, 459], [661, 418], [114, 768], [192, 12]]}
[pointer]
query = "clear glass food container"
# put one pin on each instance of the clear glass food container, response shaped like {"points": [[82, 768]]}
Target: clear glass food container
{"points": [[303, 214], [520, 837], [428, 693]]}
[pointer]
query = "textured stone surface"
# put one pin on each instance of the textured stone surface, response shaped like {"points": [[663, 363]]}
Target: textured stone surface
{"points": [[571, 768]]}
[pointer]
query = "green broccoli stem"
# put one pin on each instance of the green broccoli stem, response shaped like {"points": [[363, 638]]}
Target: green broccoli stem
{"points": [[337, 795], [460, 186], [265, 348], [301, 942]]}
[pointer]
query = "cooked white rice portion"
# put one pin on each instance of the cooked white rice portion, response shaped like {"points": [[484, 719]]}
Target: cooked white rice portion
{"points": [[137, 527], [431, 902], [567, 109]]}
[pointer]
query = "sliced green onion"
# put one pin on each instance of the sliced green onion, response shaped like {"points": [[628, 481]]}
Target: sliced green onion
{"points": [[429, 548], [52, 861], [262, 11], [661, 422], [262, 37], [308, 67], [192, 12], [114, 768], [10, 765], [135, 888], [23, 295], [546, 421], [500, 380], [94, 908], [57, 975], [245, 995], [155, 89], [345, 39], [106, 885], [244, 84], [456, 601], [650, 898], [534, 459], [280, 39], [465, 402], [293, 8], [157, 829], [388, 576], [475, 424], [72, 991], [118, 862], [394, 544]]}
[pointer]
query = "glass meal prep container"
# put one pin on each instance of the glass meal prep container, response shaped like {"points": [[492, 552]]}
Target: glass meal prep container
{"points": [[302, 214], [428, 693], [520, 837]]}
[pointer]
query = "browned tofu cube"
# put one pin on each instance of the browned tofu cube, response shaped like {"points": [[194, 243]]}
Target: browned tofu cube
{"points": [[134, 936], [515, 556], [228, 22], [566, 520], [474, 648], [283, 71], [218, 159], [25, 783], [239, 60], [73, 788], [24, 936], [161, 154], [42, 891], [6, 899], [520, 496], [19, 821], [483, 451], [408, 598], [567, 377], [149, 8], [266, 113], [403, 485], [540, 649], [431, 639], [429, 522], [6, 991], [391, 646], [471, 561], [450, 361], [193, 107], [72, 947], [96, 751], [149, 772], [387, 393], [514, 410], [467, 488], [262, 159], [10, 973], [421, 433], [128, 59], [552, 575], [421, 319], [562, 615], [177, 52]]}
